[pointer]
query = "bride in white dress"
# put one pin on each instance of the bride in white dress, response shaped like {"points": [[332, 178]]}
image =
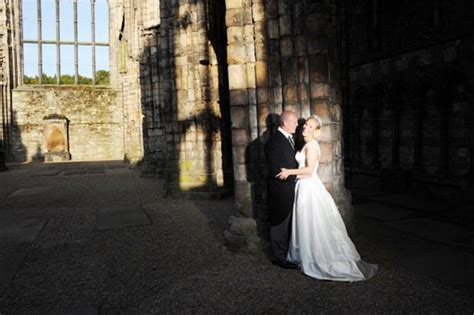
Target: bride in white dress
{"points": [[319, 242]]}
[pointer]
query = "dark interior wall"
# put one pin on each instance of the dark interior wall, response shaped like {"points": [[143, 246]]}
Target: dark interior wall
{"points": [[381, 29], [409, 102]]}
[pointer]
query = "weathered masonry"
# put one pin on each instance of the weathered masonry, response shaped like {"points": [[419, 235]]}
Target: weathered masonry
{"points": [[191, 90]]}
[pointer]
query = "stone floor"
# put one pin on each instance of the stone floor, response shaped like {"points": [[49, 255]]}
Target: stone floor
{"points": [[96, 238]]}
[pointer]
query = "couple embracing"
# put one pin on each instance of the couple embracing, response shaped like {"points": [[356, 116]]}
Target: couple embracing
{"points": [[307, 230]]}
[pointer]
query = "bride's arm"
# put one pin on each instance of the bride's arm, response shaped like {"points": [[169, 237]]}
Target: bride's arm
{"points": [[311, 160]]}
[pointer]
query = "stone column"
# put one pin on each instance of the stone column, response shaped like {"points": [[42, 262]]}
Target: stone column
{"points": [[375, 120], [125, 54], [445, 110], [418, 143], [325, 81], [396, 116], [7, 79], [2, 129], [242, 233]]}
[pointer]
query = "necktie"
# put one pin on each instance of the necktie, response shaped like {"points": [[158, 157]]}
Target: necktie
{"points": [[290, 138]]}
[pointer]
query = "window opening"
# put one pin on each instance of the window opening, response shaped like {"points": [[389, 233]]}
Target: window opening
{"points": [[65, 41]]}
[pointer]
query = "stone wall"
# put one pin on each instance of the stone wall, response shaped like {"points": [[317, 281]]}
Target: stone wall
{"points": [[95, 121], [409, 113], [171, 80], [95, 117], [188, 99]]}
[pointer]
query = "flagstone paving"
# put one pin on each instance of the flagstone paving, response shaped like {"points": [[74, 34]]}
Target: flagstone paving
{"points": [[117, 217], [15, 231]]}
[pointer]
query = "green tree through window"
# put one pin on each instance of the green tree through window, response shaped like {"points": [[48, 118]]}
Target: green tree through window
{"points": [[65, 42]]}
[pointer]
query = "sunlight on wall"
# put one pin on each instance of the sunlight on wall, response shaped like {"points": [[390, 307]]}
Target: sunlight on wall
{"points": [[197, 108]]}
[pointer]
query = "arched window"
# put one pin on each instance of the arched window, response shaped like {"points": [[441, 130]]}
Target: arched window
{"points": [[65, 41]]}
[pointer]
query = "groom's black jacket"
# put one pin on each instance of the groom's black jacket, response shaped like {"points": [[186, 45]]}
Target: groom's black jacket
{"points": [[281, 193]]}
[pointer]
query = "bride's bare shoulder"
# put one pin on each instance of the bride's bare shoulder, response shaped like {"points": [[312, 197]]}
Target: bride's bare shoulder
{"points": [[312, 144], [313, 147]]}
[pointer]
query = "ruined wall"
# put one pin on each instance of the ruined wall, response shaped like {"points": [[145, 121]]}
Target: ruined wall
{"points": [[188, 76], [95, 118], [95, 122], [409, 113], [172, 73]]}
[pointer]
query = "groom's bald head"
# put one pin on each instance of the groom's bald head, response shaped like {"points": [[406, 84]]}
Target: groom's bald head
{"points": [[288, 121]]}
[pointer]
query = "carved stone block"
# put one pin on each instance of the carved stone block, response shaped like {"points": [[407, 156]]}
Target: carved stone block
{"points": [[56, 138]]}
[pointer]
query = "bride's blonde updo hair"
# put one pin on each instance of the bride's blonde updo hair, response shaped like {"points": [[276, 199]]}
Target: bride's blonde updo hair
{"points": [[319, 125]]}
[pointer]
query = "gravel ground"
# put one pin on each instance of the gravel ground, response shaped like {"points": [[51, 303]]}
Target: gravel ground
{"points": [[179, 263]]}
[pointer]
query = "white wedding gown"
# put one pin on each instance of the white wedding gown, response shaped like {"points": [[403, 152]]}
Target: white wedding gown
{"points": [[319, 242]]}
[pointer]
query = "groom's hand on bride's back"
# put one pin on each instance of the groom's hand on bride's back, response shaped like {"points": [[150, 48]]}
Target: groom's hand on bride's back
{"points": [[283, 174]]}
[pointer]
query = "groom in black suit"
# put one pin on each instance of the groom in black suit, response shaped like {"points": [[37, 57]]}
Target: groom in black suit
{"points": [[280, 153]]}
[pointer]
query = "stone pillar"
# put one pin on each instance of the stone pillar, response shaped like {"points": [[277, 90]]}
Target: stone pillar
{"points": [[242, 234], [7, 77], [2, 101], [445, 110], [418, 141], [126, 52], [325, 81], [374, 115]]}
